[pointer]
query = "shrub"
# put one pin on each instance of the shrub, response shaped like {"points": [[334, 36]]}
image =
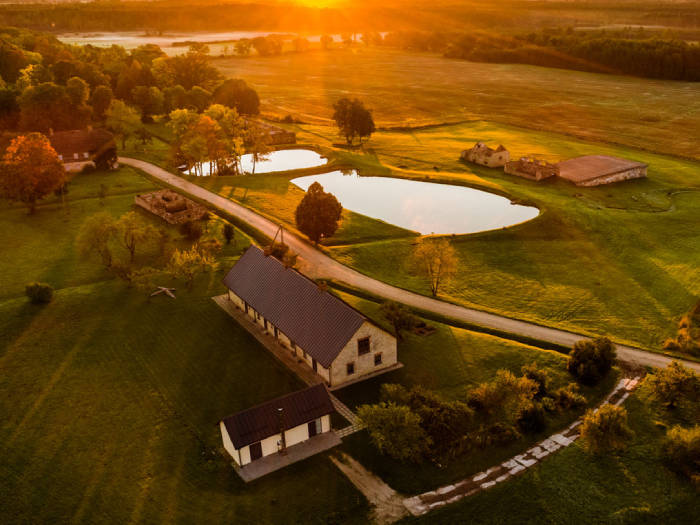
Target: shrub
{"points": [[682, 450], [674, 384], [500, 434], [39, 293], [532, 418], [606, 429], [590, 361], [395, 430], [539, 376], [568, 397], [191, 230]]}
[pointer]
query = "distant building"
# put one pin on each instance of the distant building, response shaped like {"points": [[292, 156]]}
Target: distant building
{"points": [[486, 156], [340, 344], [82, 147], [594, 170], [276, 135], [531, 168], [276, 433], [171, 206]]}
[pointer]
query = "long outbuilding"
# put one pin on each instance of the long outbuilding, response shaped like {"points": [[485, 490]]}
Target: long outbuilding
{"points": [[595, 170], [339, 343]]}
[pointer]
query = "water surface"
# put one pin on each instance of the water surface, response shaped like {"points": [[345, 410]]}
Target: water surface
{"points": [[425, 207], [280, 160]]}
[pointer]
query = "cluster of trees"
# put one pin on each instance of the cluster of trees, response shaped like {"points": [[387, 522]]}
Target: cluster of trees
{"points": [[46, 84], [417, 424]]}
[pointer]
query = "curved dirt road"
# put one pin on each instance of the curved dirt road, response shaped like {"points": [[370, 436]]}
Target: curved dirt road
{"points": [[318, 265]]}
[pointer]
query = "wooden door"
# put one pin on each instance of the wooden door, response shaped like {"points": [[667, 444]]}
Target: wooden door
{"points": [[255, 451]]}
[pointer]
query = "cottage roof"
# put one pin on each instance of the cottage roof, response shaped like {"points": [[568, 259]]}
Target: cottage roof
{"points": [[317, 321], [67, 143], [262, 421], [591, 167]]}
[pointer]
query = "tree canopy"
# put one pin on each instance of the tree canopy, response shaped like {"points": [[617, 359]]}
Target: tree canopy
{"points": [[318, 213], [353, 119]]}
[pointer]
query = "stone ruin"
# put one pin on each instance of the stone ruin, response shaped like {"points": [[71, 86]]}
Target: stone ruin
{"points": [[171, 206], [531, 168], [483, 155]]}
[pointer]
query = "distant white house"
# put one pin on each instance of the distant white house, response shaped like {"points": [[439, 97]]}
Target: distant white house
{"points": [[79, 148], [278, 425], [340, 344]]}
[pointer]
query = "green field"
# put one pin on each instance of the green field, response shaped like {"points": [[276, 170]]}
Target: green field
{"points": [[409, 89], [571, 486]]}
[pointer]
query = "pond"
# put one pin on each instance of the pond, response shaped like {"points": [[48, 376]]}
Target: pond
{"points": [[280, 160], [424, 207]]}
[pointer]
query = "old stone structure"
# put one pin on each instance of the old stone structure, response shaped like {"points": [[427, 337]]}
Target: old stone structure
{"points": [[171, 206], [481, 154], [276, 136], [336, 341], [531, 168], [594, 170], [84, 147]]}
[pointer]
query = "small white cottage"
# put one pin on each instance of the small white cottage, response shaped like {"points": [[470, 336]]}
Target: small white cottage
{"points": [[279, 425], [340, 344]]}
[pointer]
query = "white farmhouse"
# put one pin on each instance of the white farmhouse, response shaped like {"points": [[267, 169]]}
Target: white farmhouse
{"points": [[340, 344]]}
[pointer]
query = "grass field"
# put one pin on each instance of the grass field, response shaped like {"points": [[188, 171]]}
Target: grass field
{"points": [[409, 89], [571, 486], [451, 361]]}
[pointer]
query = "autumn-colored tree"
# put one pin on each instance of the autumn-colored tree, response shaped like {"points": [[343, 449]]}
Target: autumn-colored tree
{"points": [[318, 213], [606, 429], [436, 260], [31, 169]]}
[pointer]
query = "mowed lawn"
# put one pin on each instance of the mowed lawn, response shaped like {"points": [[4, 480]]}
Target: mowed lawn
{"points": [[619, 260], [572, 486], [450, 362], [407, 89], [111, 402]]}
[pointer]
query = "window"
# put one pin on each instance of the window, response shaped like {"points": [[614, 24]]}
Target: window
{"points": [[76, 156], [350, 368], [363, 346], [377, 359]]}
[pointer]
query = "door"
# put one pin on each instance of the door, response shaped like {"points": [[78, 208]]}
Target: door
{"points": [[312, 429], [314, 365], [255, 451]]}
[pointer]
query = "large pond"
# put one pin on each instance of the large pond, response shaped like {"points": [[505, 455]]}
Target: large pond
{"points": [[280, 160], [425, 207]]}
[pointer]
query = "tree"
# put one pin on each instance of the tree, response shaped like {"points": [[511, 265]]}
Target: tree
{"points": [[395, 430], [318, 213], [243, 47], [47, 106], [399, 316], [123, 120], [326, 41], [187, 70], [682, 450], [174, 97], [187, 264], [31, 169], [353, 119], [149, 100], [95, 235], [591, 360], [502, 399], [235, 93], [78, 91], [100, 100], [229, 233], [39, 293], [606, 429], [132, 231], [539, 376], [257, 143], [436, 260], [674, 384], [198, 99]]}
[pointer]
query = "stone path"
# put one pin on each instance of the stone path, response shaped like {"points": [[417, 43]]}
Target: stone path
{"points": [[317, 264], [424, 503]]}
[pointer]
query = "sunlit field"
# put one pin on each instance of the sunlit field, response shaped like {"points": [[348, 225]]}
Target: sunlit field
{"points": [[411, 89]]}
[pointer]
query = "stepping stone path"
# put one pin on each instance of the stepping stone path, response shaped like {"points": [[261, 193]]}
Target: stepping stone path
{"points": [[424, 503]]}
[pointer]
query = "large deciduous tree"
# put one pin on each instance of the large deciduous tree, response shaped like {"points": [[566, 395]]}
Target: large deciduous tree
{"points": [[30, 170], [353, 119], [436, 260], [95, 235], [123, 120], [235, 93], [318, 213]]}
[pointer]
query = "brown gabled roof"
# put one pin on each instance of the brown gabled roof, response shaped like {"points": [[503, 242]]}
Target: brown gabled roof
{"points": [[317, 321], [262, 421], [590, 167], [67, 143]]}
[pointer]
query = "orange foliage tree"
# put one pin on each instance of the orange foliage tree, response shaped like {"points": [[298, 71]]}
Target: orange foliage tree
{"points": [[31, 169]]}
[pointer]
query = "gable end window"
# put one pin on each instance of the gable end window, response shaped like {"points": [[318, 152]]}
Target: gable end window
{"points": [[363, 346], [350, 368]]}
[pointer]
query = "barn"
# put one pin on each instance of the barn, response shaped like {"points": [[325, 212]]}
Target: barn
{"points": [[276, 433], [81, 147], [337, 342], [595, 170]]}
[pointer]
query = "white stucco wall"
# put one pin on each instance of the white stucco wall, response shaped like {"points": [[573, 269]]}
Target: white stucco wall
{"points": [[380, 342]]}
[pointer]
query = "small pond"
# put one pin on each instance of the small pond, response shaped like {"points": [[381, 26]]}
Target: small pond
{"points": [[424, 207], [280, 160]]}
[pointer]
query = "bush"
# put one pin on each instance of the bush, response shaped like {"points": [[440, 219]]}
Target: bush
{"points": [[606, 429], [568, 397], [532, 419], [674, 384], [500, 434], [682, 450], [191, 230], [39, 293], [539, 376], [590, 361]]}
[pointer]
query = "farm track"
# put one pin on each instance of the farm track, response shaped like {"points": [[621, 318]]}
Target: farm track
{"points": [[316, 264]]}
